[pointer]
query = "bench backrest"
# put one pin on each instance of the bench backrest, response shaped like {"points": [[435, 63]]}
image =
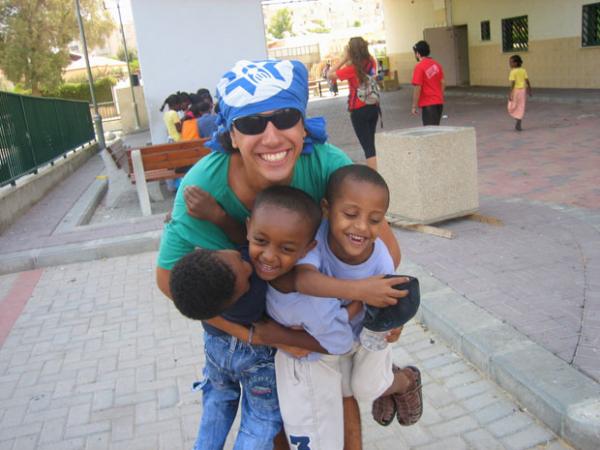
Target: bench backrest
{"points": [[118, 152], [171, 156]]}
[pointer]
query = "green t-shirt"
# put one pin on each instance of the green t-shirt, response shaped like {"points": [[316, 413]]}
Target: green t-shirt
{"points": [[184, 233]]}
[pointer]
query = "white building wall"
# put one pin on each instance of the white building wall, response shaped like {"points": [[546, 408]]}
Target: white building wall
{"points": [[184, 45]]}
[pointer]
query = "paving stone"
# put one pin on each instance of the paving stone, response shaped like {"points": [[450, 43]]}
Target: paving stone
{"points": [[510, 424], [454, 443], [495, 411], [482, 440], [454, 426], [529, 437]]}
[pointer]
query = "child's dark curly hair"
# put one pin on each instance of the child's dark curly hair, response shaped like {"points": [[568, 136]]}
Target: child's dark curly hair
{"points": [[202, 285], [517, 60]]}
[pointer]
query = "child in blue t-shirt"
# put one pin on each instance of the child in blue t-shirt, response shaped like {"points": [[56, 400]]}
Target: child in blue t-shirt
{"points": [[348, 254]]}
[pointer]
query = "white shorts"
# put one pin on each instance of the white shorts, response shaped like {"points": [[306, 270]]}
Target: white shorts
{"points": [[310, 393]]}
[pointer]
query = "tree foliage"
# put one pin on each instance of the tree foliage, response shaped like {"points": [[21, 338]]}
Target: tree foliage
{"points": [[131, 53], [280, 23], [35, 34]]}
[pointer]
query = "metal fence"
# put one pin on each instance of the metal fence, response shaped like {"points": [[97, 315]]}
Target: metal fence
{"points": [[35, 131], [107, 110]]}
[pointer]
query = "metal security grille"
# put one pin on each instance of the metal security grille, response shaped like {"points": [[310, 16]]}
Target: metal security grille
{"points": [[35, 131], [515, 34], [590, 25], [485, 30]]}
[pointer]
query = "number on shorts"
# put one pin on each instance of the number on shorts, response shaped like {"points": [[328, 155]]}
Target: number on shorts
{"points": [[301, 442]]}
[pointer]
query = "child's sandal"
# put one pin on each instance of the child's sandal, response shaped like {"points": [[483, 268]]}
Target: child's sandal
{"points": [[409, 406], [384, 410]]}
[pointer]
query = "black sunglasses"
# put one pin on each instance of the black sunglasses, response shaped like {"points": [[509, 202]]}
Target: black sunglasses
{"points": [[283, 119]]}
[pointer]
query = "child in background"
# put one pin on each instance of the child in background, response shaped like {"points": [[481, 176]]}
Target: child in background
{"points": [[171, 118], [207, 120], [189, 126], [519, 86]]}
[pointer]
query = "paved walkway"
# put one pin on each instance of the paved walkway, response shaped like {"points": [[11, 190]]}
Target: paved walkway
{"points": [[99, 359], [97, 362]]}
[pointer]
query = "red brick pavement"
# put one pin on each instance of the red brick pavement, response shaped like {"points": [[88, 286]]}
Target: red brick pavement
{"points": [[555, 159]]}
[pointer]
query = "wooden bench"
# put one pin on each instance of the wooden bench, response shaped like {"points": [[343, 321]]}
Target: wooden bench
{"points": [[161, 162]]}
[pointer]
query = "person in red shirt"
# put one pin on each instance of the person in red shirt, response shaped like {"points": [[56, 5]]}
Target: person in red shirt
{"points": [[428, 80], [354, 66]]}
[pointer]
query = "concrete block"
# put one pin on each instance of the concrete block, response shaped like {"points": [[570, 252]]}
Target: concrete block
{"points": [[452, 316], [582, 424], [553, 391], [431, 172], [483, 345]]}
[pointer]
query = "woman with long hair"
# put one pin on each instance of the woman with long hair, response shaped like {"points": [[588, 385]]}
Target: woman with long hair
{"points": [[357, 66]]}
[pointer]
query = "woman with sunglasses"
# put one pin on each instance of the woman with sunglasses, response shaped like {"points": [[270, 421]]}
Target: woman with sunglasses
{"points": [[264, 139]]}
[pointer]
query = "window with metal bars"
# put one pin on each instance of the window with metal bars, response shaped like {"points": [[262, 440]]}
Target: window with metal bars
{"points": [[485, 30], [590, 25], [515, 34]]}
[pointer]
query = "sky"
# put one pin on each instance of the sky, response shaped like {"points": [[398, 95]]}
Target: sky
{"points": [[125, 5]]}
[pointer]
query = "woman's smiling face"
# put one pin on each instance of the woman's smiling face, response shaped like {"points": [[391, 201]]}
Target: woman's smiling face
{"points": [[272, 154]]}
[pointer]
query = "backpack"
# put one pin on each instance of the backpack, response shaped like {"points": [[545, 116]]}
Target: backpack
{"points": [[368, 91]]}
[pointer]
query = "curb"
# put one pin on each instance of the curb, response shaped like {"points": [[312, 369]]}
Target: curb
{"points": [[567, 401], [83, 210], [79, 252]]}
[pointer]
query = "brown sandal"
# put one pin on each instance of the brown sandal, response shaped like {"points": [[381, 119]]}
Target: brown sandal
{"points": [[409, 406], [384, 410]]}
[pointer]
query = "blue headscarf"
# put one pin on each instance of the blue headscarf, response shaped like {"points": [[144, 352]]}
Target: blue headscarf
{"points": [[253, 87]]}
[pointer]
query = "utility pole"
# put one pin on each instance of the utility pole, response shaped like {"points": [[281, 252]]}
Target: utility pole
{"points": [[97, 117], [135, 108]]}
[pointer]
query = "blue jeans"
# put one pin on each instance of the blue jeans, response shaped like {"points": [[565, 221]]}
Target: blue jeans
{"points": [[229, 364]]}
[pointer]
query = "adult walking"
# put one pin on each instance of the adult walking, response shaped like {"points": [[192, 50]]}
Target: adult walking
{"points": [[264, 139], [356, 66], [428, 82]]}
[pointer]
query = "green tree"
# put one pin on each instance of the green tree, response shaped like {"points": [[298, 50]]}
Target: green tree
{"points": [[35, 34], [280, 23], [132, 54]]}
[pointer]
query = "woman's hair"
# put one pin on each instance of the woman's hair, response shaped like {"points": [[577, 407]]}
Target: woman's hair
{"points": [[225, 141], [172, 100], [517, 60], [358, 52]]}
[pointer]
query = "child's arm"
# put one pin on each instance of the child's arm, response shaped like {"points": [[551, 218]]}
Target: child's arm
{"points": [[512, 87], [354, 309], [374, 291], [201, 205], [528, 87], [270, 332]]}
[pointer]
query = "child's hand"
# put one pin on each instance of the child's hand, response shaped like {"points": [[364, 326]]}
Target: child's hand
{"points": [[201, 205], [378, 291], [393, 335], [296, 352]]}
